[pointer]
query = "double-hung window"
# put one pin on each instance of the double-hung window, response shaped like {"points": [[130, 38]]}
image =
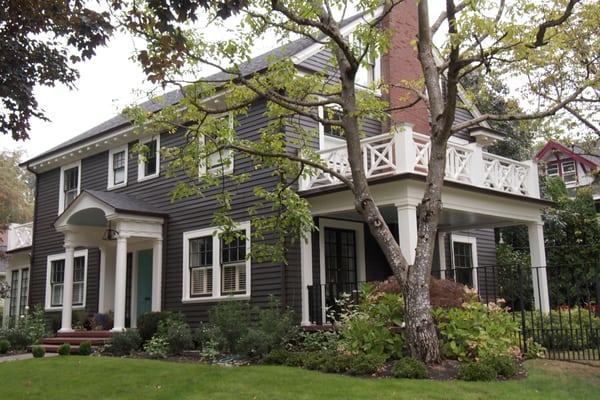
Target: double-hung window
{"points": [[117, 167], [464, 259], [569, 171], [149, 163], [219, 162], [216, 266], [552, 169], [18, 295], [70, 184], [56, 280]]}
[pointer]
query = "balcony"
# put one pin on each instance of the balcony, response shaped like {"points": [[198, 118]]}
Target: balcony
{"points": [[404, 151], [19, 236]]}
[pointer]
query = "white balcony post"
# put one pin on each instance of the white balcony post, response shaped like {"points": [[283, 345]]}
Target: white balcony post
{"points": [[306, 276], [102, 281], [532, 181], [67, 300], [407, 230], [156, 274], [476, 166], [120, 284], [404, 147], [538, 266]]}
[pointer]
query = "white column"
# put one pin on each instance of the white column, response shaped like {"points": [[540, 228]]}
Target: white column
{"points": [[532, 181], [156, 274], [134, 289], [102, 283], [306, 277], [67, 302], [120, 284], [442, 253], [537, 252], [404, 147], [407, 230], [476, 166]]}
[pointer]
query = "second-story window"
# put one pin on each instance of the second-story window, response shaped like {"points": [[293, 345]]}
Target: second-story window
{"points": [[149, 165], [552, 169], [117, 167], [333, 112], [569, 171], [70, 185]]}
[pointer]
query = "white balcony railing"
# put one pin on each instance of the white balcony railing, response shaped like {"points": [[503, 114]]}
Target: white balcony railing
{"points": [[19, 236], [405, 151]]}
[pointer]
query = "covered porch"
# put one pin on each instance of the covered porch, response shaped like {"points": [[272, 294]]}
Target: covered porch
{"points": [[341, 254], [129, 236]]}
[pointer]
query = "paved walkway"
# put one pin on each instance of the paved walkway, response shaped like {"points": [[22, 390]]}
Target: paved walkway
{"points": [[25, 356]]}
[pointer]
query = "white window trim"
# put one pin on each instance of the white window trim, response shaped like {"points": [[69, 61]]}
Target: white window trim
{"points": [[228, 170], [7, 302], [111, 175], [339, 141], [61, 192], [54, 257], [570, 162], [472, 240], [216, 265], [557, 169], [141, 163]]}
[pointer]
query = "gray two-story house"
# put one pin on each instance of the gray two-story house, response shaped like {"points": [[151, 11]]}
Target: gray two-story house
{"points": [[108, 238]]}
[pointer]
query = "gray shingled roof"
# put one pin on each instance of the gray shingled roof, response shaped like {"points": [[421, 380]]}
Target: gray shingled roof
{"points": [[124, 203], [256, 64]]}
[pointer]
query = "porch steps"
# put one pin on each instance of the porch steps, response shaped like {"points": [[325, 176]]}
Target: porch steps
{"points": [[96, 338]]}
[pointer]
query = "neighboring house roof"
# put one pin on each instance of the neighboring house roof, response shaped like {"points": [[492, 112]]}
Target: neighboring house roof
{"points": [[124, 203], [573, 153]]}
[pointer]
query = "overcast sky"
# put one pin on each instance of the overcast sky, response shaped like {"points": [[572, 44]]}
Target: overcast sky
{"points": [[107, 83]]}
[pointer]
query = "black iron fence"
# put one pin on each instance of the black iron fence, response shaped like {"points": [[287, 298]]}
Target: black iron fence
{"points": [[556, 307]]}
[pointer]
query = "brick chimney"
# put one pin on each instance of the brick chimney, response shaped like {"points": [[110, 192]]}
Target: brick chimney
{"points": [[402, 63]]}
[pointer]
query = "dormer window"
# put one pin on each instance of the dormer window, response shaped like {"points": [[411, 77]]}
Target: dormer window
{"points": [[117, 167], [70, 184], [149, 164], [569, 171]]}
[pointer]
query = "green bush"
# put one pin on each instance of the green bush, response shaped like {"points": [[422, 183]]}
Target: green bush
{"points": [[38, 351], [202, 335], [319, 340], [367, 328], [476, 371], [295, 359], [315, 360], [125, 343], [504, 366], [177, 334], [17, 337], [85, 348], [34, 325], [476, 331], [147, 324], [277, 357], [231, 321], [64, 349], [578, 331], [365, 364], [410, 368], [81, 320], [157, 347], [4, 346]]}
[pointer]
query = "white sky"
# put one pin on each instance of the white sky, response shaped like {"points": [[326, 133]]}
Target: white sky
{"points": [[107, 83]]}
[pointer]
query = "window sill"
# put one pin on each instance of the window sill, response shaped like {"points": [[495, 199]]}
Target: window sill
{"points": [[214, 299], [120, 185], [59, 308], [147, 177]]}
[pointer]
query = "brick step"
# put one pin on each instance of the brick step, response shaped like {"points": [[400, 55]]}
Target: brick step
{"points": [[82, 334], [95, 341]]}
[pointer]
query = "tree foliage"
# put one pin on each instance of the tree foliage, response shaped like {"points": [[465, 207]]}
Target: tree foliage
{"points": [[552, 49], [16, 196]]}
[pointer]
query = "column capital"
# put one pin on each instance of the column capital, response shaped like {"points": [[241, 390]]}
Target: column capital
{"points": [[69, 245]]}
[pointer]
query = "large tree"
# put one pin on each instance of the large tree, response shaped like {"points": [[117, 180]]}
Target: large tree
{"points": [[550, 50], [16, 196]]}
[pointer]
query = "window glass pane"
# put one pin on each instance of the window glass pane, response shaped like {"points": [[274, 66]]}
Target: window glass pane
{"points": [[568, 166], [235, 250], [201, 281], [79, 269], [332, 113], [463, 263], [552, 169], [233, 278], [24, 291], [77, 293], [119, 167], [201, 252], [14, 287], [150, 166], [56, 294], [70, 185], [58, 271]]}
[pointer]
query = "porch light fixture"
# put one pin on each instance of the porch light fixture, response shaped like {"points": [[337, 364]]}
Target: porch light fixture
{"points": [[110, 234]]}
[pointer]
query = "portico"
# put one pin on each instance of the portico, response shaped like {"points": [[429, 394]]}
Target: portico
{"points": [[117, 225]]}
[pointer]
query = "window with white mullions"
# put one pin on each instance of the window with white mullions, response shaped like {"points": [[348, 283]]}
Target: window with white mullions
{"points": [[24, 291], [552, 169], [19, 294], [333, 113], [14, 288], [149, 161], [201, 261], [57, 281], [569, 171], [464, 259], [233, 264], [70, 185], [119, 167]]}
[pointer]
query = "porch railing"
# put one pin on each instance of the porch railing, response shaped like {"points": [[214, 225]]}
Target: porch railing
{"points": [[403, 151], [19, 236]]}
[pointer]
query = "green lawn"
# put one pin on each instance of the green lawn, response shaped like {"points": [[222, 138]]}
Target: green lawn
{"points": [[113, 378]]}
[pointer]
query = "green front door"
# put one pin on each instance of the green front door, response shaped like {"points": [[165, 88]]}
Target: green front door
{"points": [[144, 282]]}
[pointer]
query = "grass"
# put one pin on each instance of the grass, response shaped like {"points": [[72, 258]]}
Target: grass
{"points": [[76, 377]]}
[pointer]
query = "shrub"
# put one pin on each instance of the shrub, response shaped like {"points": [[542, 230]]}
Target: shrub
{"points": [[64, 349], [34, 325], [231, 321], [177, 334], [17, 337], [534, 350], [295, 359], [38, 351], [277, 357], [125, 343], [4, 346], [85, 348], [318, 341], [157, 347], [476, 331], [202, 335], [147, 324], [367, 328], [315, 360], [503, 365], [81, 320], [365, 364], [410, 368], [472, 371], [574, 329]]}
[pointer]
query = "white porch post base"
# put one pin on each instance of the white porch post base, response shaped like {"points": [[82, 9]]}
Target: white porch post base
{"points": [[407, 230], [120, 285], [156, 274], [306, 277], [538, 259], [67, 300]]}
